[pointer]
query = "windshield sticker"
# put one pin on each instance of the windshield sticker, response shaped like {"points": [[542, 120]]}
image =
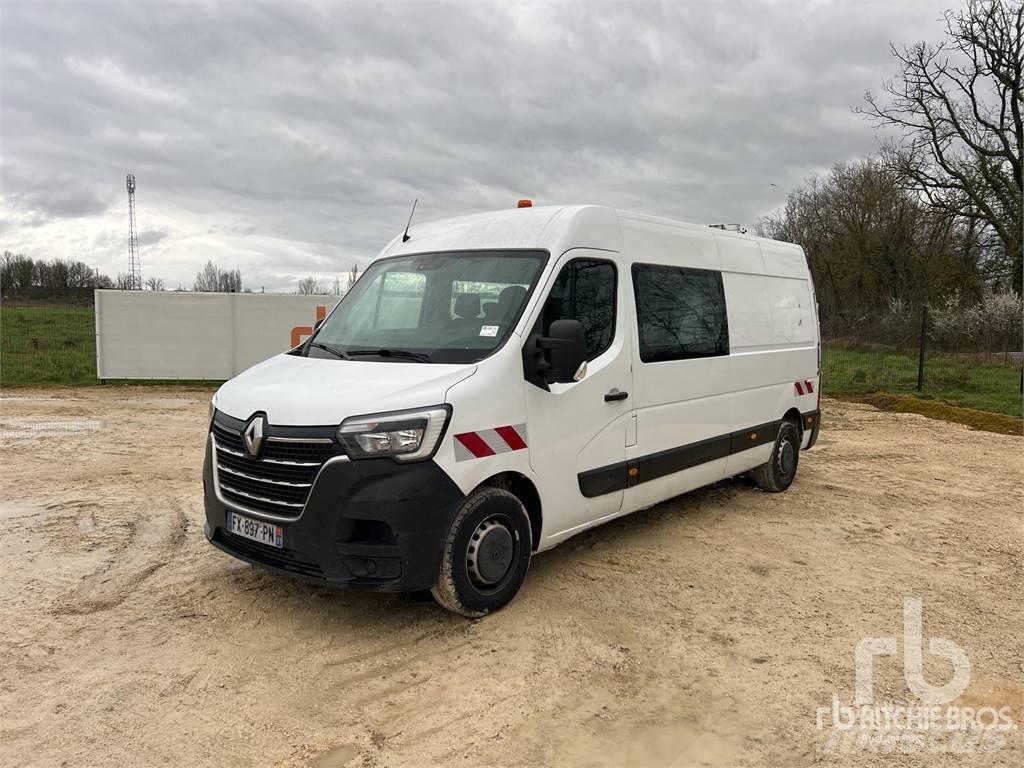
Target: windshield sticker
{"points": [[488, 330]]}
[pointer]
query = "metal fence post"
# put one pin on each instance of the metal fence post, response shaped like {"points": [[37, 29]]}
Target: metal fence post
{"points": [[97, 308], [920, 357]]}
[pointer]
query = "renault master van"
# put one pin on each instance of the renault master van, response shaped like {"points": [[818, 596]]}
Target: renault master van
{"points": [[495, 384]]}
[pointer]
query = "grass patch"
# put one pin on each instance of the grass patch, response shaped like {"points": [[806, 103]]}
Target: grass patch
{"points": [[55, 345], [42, 345], [958, 381], [936, 409]]}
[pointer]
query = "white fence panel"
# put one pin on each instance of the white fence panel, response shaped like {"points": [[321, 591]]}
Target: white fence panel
{"points": [[170, 335]]}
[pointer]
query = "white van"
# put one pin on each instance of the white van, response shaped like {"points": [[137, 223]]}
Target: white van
{"points": [[495, 384]]}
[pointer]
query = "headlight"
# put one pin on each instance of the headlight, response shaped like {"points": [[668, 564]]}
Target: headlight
{"points": [[401, 435]]}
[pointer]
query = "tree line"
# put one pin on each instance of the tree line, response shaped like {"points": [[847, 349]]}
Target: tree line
{"points": [[22, 275], [937, 211], [311, 286], [19, 272]]}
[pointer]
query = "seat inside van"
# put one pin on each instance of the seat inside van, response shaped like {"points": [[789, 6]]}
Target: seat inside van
{"points": [[467, 308], [509, 301]]}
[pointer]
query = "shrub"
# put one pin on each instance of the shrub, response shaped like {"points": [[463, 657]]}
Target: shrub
{"points": [[993, 324]]}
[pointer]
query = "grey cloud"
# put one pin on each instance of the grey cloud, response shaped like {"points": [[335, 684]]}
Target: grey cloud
{"points": [[291, 138], [151, 236], [49, 195]]}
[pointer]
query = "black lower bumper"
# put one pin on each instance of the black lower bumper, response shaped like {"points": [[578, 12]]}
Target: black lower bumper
{"points": [[372, 524]]}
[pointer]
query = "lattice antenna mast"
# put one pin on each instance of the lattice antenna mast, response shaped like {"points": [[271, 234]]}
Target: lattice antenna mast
{"points": [[134, 266]]}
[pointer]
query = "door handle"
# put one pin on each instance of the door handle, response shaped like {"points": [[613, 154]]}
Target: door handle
{"points": [[615, 395]]}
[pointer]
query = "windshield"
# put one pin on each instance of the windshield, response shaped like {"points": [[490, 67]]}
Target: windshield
{"points": [[433, 307]]}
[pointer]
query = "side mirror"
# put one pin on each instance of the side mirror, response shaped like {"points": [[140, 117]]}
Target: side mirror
{"points": [[564, 350], [318, 323]]}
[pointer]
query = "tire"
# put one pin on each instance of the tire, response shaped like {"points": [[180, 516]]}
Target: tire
{"points": [[475, 580], [778, 473]]}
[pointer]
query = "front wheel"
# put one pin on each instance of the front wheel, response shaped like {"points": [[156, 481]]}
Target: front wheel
{"points": [[486, 554], [778, 473]]}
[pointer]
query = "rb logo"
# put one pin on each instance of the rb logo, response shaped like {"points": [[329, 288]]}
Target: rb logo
{"points": [[870, 647]]}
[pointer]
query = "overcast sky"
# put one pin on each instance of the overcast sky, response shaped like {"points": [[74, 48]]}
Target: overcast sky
{"points": [[288, 140]]}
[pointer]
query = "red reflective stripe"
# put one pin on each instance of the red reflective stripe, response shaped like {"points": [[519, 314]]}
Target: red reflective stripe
{"points": [[510, 436], [799, 388], [475, 444], [810, 386]]}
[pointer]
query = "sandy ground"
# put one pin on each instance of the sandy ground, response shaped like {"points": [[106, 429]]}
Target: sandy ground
{"points": [[705, 631]]}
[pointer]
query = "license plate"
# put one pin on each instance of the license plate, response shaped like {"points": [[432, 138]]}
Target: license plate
{"points": [[257, 530]]}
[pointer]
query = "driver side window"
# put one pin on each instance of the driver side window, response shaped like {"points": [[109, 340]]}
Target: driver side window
{"points": [[584, 290]]}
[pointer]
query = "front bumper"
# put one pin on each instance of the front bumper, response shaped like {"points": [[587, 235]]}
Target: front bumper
{"points": [[373, 524]]}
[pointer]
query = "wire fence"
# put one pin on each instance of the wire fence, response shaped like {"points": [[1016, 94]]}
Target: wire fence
{"points": [[913, 351], [973, 362], [47, 344]]}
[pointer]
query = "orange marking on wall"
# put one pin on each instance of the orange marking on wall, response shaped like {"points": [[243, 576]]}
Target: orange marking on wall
{"points": [[307, 330]]}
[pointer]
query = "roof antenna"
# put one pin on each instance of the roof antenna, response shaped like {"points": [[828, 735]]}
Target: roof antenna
{"points": [[405, 235]]}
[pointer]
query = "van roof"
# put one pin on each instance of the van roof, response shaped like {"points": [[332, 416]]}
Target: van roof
{"points": [[541, 227], [555, 228]]}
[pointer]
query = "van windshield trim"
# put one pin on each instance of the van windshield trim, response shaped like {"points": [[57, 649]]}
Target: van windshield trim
{"points": [[433, 329]]}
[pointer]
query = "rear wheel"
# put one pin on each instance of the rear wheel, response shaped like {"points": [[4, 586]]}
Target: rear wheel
{"points": [[486, 554], [778, 473]]}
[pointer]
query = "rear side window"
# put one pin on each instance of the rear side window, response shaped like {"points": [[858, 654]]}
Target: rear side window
{"points": [[680, 313], [584, 290]]}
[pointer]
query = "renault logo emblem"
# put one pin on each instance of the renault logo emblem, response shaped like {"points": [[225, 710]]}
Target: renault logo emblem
{"points": [[253, 433]]}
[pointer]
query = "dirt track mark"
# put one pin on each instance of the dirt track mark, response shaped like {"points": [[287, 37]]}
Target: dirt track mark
{"points": [[149, 549]]}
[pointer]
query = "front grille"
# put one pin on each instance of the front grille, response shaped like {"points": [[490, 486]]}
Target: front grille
{"points": [[283, 472], [280, 480], [285, 559], [249, 486]]}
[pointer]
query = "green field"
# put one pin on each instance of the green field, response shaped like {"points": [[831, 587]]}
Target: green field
{"points": [[957, 380], [44, 344]]}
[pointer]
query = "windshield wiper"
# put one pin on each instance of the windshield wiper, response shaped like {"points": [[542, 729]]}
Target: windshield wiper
{"points": [[327, 348], [403, 353]]}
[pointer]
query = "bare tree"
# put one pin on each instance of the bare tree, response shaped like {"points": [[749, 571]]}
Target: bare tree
{"points": [[80, 275], [207, 279], [353, 275], [960, 109], [154, 284], [230, 281], [15, 272], [309, 286], [869, 240], [212, 278]]}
